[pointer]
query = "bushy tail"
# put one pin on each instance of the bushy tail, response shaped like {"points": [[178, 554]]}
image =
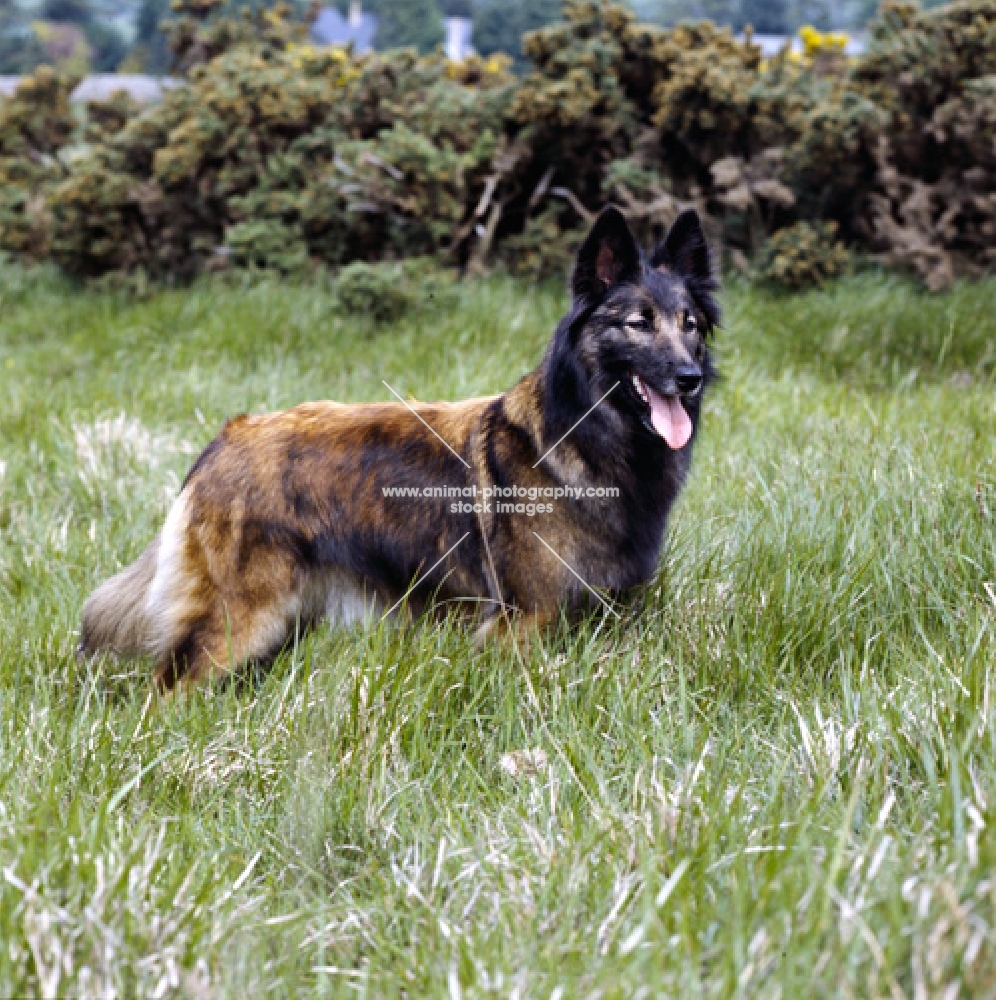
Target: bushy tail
{"points": [[114, 615]]}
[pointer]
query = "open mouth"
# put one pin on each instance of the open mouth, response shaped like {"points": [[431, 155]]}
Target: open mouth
{"points": [[664, 414]]}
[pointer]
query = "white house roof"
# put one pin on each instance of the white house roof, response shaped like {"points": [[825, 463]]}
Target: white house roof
{"points": [[101, 86]]}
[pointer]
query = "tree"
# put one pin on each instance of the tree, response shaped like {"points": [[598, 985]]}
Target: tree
{"points": [[671, 12], [819, 13], [67, 12], [769, 17], [720, 12], [537, 13], [496, 28], [20, 48], [106, 44], [409, 22], [500, 24], [865, 10], [150, 36], [108, 48]]}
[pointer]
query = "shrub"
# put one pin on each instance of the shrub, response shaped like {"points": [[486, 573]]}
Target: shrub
{"points": [[933, 204], [275, 152], [374, 290], [35, 125], [266, 244], [279, 155], [804, 255], [545, 249]]}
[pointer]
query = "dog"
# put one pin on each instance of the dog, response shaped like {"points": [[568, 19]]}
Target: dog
{"points": [[340, 512]]}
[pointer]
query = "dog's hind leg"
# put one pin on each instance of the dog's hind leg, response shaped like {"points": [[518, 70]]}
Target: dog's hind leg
{"points": [[234, 633], [220, 600]]}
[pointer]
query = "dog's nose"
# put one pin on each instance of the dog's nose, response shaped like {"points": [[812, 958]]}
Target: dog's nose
{"points": [[688, 380]]}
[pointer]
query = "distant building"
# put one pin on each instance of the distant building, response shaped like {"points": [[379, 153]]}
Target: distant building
{"points": [[358, 29], [141, 89], [771, 45], [459, 31]]}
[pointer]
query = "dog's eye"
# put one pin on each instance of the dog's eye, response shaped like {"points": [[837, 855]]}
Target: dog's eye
{"points": [[691, 323], [643, 323]]}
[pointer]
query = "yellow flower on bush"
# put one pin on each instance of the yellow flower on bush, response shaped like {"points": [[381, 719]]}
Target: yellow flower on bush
{"points": [[484, 71], [817, 42], [337, 64]]}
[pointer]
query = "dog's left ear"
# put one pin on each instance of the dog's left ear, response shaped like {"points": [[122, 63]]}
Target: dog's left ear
{"points": [[685, 251], [608, 257]]}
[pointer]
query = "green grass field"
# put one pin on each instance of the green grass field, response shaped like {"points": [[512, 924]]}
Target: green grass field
{"points": [[778, 779]]}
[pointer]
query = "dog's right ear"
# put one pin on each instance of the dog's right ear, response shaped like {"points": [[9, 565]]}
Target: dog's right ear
{"points": [[608, 257]]}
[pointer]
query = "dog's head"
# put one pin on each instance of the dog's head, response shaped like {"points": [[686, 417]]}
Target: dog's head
{"points": [[640, 324]]}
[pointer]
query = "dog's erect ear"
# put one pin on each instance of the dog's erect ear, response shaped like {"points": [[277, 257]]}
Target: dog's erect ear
{"points": [[608, 257], [685, 253], [685, 250]]}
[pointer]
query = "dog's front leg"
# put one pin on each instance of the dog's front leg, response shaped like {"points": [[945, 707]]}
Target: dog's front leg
{"points": [[512, 629]]}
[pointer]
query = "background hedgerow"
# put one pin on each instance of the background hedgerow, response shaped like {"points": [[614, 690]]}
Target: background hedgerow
{"points": [[277, 154], [775, 777]]}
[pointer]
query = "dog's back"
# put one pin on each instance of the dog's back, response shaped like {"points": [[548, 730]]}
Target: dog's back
{"points": [[287, 517]]}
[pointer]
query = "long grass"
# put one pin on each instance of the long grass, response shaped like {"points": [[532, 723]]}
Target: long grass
{"points": [[776, 777]]}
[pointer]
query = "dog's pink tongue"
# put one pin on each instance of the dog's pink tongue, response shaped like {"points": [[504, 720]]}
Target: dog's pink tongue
{"points": [[670, 420]]}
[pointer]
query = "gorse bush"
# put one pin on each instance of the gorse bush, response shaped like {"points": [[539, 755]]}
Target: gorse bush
{"points": [[804, 255], [279, 155], [35, 125]]}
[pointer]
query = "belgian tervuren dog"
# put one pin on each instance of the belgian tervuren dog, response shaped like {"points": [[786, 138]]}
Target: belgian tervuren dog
{"points": [[519, 504]]}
